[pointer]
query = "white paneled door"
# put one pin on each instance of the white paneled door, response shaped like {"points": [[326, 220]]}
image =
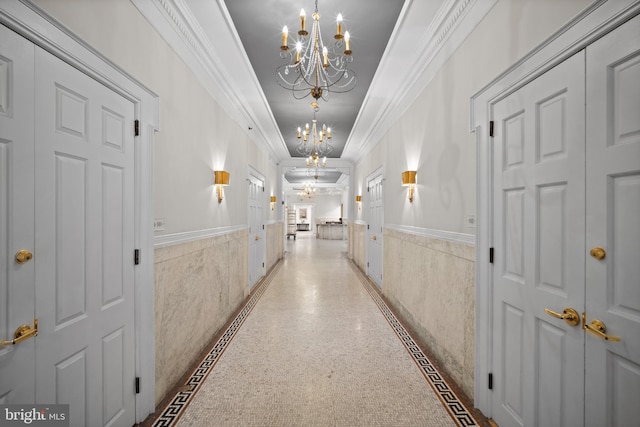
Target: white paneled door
{"points": [[256, 230], [566, 236], [71, 173], [613, 223], [374, 229]]}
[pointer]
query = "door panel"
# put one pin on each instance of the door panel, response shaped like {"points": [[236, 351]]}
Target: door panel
{"points": [[613, 204], [17, 281], [539, 236], [374, 233], [84, 208], [256, 231]]}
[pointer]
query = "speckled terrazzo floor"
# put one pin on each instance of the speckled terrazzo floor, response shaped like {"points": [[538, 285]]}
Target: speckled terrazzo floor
{"points": [[315, 346]]}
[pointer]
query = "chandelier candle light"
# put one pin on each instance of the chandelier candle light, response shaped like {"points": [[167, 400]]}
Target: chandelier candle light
{"points": [[315, 69]]}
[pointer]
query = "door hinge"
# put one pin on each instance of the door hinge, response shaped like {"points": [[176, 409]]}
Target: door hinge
{"points": [[263, 265], [367, 226], [136, 127], [490, 382], [137, 385], [367, 263], [491, 128], [491, 255], [136, 256], [263, 226]]}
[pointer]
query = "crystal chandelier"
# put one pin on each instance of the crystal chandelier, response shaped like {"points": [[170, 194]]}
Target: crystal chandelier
{"points": [[312, 68], [313, 143], [308, 192]]}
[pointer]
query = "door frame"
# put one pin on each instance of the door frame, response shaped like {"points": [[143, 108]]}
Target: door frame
{"points": [[595, 21], [34, 24]]}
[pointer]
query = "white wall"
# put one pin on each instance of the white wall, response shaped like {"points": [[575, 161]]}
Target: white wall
{"points": [[328, 207]]}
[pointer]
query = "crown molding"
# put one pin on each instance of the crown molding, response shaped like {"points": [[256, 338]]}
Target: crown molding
{"points": [[410, 62], [238, 93]]}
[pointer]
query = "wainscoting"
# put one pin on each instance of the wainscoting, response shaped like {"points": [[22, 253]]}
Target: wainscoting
{"points": [[199, 284], [430, 282], [275, 244], [357, 249]]}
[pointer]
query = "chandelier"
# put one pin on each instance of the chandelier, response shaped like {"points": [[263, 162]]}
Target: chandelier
{"points": [[308, 192], [312, 68], [313, 143]]}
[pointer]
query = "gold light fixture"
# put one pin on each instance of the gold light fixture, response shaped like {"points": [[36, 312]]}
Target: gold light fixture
{"points": [[221, 178], [313, 143], [315, 69], [409, 180], [273, 202], [359, 201]]}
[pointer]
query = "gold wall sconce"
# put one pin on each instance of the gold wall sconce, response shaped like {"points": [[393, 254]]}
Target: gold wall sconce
{"points": [[220, 178], [273, 202], [359, 201], [409, 180]]}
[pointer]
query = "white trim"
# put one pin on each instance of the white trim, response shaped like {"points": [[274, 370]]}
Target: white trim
{"points": [[192, 236], [449, 236], [36, 25], [594, 22]]}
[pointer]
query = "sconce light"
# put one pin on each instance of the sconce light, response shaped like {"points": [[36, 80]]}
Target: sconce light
{"points": [[273, 202], [220, 178], [359, 201], [409, 180]]}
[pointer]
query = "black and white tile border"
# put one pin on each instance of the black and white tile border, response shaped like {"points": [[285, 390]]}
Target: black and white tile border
{"points": [[449, 399], [181, 400]]}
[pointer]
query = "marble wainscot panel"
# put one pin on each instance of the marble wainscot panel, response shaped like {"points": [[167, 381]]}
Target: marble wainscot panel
{"points": [[199, 284], [430, 282], [275, 243], [357, 234]]}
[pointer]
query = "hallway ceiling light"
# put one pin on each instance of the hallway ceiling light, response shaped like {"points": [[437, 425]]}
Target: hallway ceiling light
{"points": [[308, 192], [317, 149], [312, 68]]}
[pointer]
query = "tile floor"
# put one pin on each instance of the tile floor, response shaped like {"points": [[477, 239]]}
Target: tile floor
{"points": [[315, 345]]}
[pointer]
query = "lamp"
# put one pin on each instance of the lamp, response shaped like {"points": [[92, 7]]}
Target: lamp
{"points": [[315, 69], [409, 180], [273, 202], [359, 201], [220, 178]]}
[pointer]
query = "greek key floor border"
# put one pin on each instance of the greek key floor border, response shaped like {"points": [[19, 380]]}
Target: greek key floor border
{"points": [[457, 410], [176, 407]]}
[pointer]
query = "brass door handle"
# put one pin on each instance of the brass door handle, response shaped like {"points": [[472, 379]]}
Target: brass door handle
{"points": [[24, 332], [598, 253], [23, 256], [569, 315], [598, 328], [257, 237], [374, 238]]}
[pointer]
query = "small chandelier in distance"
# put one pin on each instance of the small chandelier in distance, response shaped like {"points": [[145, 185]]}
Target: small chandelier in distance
{"points": [[314, 69]]}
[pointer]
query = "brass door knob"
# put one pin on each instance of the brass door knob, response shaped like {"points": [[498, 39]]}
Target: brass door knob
{"points": [[598, 253], [23, 256], [569, 315]]}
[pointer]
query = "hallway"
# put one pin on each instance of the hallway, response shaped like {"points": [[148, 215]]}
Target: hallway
{"points": [[313, 346]]}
